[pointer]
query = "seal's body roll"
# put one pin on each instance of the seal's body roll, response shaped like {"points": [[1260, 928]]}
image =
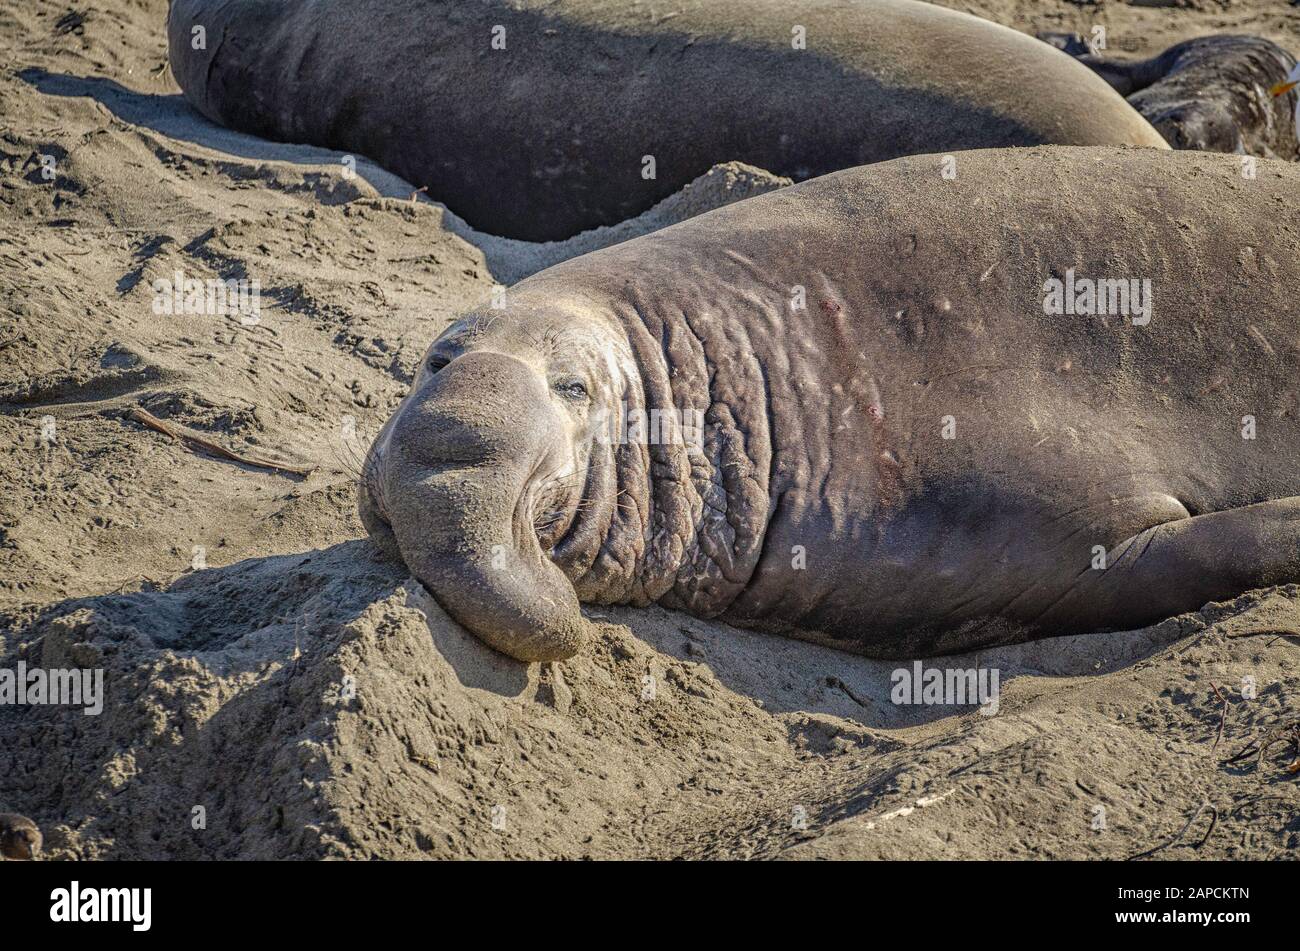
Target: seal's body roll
{"points": [[555, 133], [1212, 93], [910, 443]]}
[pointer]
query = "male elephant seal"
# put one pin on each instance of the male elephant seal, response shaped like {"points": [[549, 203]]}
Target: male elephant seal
{"points": [[936, 414], [535, 119], [1213, 93]]}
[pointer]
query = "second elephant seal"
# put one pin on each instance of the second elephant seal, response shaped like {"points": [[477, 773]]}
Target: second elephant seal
{"points": [[534, 119], [886, 410]]}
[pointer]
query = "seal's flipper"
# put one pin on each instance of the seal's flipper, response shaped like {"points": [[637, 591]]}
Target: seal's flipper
{"points": [[1182, 565], [1211, 94]]}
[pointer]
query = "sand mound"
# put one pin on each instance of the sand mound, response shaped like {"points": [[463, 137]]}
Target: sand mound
{"points": [[321, 705]]}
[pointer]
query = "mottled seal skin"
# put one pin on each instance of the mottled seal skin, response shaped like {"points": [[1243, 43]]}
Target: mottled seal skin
{"points": [[20, 839], [1211, 93], [547, 137], [824, 500]]}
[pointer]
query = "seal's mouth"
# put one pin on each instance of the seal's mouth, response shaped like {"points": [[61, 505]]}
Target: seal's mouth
{"points": [[554, 511], [549, 508], [383, 537], [371, 510]]}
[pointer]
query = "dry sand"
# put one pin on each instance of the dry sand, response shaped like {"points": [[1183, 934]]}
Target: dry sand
{"points": [[316, 703]]}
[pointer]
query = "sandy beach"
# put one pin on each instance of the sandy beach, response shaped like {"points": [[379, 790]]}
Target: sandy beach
{"points": [[262, 662]]}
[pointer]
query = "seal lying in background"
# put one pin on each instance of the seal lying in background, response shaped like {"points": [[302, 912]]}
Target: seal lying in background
{"points": [[1059, 393], [551, 134], [1213, 93]]}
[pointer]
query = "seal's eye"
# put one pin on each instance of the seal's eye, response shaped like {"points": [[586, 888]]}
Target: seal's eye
{"points": [[437, 361], [572, 388]]}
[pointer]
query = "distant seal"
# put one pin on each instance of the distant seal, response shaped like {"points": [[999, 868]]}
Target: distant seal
{"points": [[1213, 93], [535, 119], [20, 839], [1056, 393]]}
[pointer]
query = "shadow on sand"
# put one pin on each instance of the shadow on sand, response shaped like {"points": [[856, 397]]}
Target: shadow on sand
{"points": [[171, 115], [241, 617]]}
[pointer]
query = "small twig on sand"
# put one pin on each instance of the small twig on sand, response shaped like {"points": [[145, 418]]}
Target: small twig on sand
{"points": [[121, 589], [1258, 748], [415, 195], [1277, 635], [1223, 717], [1250, 749], [167, 429], [1214, 819], [1254, 800]]}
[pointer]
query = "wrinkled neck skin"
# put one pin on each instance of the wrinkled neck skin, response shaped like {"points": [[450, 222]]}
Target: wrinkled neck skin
{"points": [[791, 461], [674, 503]]}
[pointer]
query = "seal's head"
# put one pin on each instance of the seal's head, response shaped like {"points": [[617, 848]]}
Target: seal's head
{"points": [[491, 481]]}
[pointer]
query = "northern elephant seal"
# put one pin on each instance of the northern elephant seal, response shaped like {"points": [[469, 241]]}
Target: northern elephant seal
{"points": [[1056, 393], [1213, 93], [535, 119]]}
